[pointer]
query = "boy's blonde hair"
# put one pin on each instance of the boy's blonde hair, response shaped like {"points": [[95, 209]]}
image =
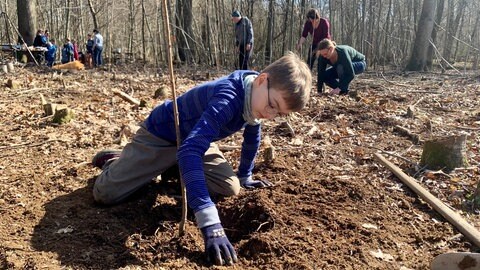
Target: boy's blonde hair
{"points": [[293, 78]]}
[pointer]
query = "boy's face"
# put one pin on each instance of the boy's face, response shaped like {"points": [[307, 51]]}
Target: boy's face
{"points": [[267, 102]]}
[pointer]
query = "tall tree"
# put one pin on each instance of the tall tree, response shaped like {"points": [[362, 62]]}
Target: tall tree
{"points": [[438, 18], [27, 20], [418, 59], [453, 23], [67, 19], [269, 41], [183, 19], [93, 12]]}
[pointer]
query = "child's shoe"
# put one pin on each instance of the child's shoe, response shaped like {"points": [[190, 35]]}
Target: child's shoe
{"points": [[103, 156]]}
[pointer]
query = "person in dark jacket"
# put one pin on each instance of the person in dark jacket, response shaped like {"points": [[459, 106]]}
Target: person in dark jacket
{"points": [[345, 62], [89, 54], [40, 39], [243, 38]]}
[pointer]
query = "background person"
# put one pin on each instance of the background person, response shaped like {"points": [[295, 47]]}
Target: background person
{"points": [[243, 38], [319, 28], [67, 51], [97, 48], [51, 53], [89, 49], [345, 62]]}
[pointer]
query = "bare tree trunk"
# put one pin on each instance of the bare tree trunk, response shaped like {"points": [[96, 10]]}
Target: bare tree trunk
{"points": [[386, 43], [144, 50], [269, 43], [184, 30], [93, 13], [285, 26], [452, 27], [151, 39], [160, 40], [67, 19], [362, 31], [131, 20], [474, 37], [81, 33], [27, 18], [418, 60], [438, 19], [291, 40]]}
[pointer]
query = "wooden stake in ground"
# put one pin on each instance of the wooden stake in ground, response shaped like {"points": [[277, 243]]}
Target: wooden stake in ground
{"points": [[445, 153], [181, 229], [455, 219]]}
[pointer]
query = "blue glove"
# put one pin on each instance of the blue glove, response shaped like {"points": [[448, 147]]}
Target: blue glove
{"points": [[248, 183], [217, 247]]}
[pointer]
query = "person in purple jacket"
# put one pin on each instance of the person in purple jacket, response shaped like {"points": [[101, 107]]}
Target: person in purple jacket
{"points": [[207, 113], [319, 28]]}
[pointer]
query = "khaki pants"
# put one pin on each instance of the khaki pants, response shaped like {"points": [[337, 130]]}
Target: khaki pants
{"points": [[146, 157]]}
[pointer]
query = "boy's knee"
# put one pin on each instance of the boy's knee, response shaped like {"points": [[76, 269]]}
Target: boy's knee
{"points": [[105, 196], [226, 188], [102, 197], [234, 188]]}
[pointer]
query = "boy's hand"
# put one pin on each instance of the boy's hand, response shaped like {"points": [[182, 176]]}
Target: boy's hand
{"points": [[217, 246], [249, 183]]}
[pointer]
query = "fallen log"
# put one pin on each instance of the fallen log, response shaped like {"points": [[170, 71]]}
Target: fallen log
{"points": [[126, 97], [405, 132], [455, 219]]}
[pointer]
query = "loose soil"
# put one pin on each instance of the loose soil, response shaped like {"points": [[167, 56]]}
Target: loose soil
{"points": [[333, 205]]}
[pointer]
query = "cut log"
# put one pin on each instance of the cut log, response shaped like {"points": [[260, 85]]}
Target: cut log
{"points": [[445, 153], [161, 93], [62, 114], [10, 67], [126, 97], [49, 108], [12, 84]]}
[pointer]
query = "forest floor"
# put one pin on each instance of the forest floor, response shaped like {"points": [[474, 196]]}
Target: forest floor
{"points": [[333, 206]]}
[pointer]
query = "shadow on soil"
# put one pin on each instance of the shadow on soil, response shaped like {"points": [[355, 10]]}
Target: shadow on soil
{"points": [[86, 235]]}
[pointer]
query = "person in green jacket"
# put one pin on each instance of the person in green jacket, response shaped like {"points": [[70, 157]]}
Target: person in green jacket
{"points": [[345, 62]]}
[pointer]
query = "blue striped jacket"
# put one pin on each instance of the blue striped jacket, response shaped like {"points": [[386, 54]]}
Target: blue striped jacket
{"points": [[207, 113]]}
